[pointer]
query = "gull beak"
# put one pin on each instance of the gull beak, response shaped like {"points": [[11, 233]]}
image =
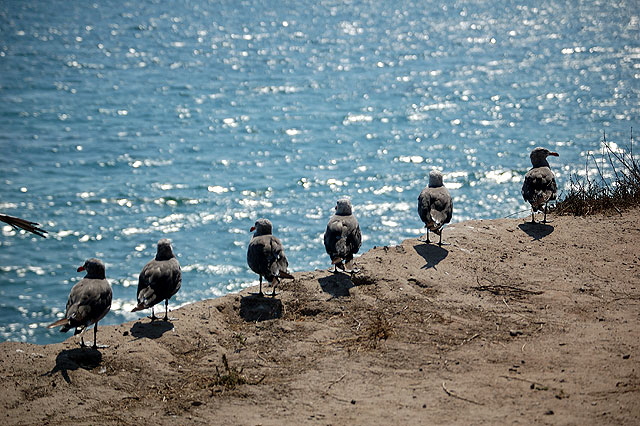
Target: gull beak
{"points": [[555, 154], [80, 269], [253, 228]]}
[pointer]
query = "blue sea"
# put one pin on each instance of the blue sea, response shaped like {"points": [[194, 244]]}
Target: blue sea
{"points": [[123, 122]]}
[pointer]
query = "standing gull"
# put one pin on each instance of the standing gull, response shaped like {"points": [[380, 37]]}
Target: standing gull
{"points": [[435, 206], [159, 280], [265, 255], [89, 301], [342, 238], [539, 183]]}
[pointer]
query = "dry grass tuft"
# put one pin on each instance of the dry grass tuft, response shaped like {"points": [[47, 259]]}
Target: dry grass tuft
{"points": [[379, 329], [620, 190], [230, 378]]}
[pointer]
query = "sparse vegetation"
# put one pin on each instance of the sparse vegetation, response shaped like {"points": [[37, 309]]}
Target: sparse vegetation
{"points": [[615, 187], [230, 378], [379, 329], [240, 338]]}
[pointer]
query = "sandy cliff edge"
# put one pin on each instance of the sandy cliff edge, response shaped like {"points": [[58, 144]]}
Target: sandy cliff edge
{"points": [[509, 323]]}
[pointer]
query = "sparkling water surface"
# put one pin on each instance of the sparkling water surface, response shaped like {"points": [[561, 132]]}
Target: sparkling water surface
{"points": [[126, 122]]}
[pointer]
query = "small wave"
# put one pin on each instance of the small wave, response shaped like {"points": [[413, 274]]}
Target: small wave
{"points": [[222, 269], [357, 118]]}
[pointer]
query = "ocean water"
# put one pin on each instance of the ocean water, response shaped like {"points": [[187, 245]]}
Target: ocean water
{"points": [[125, 122]]}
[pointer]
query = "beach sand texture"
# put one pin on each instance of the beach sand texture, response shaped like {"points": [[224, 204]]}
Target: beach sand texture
{"points": [[508, 323]]}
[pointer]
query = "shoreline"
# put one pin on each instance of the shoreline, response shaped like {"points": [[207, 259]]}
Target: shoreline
{"points": [[508, 322]]}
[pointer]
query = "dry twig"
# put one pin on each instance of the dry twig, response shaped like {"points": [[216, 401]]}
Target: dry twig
{"points": [[454, 395], [336, 381]]}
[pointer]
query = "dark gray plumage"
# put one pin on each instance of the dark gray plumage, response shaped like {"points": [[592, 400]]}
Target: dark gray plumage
{"points": [[435, 206], [89, 301], [342, 238], [539, 185], [265, 255], [159, 280], [16, 223]]}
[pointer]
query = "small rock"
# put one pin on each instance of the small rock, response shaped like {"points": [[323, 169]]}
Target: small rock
{"points": [[353, 402], [627, 356], [549, 413]]}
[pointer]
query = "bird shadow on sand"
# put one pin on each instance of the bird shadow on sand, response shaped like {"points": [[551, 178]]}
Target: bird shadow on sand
{"points": [[151, 329], [537, 231], [260, 308], [337, 284], [432, 254], [73, 359]]}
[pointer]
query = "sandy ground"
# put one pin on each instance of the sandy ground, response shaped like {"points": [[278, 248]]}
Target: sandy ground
{"points": [[508, 324]]}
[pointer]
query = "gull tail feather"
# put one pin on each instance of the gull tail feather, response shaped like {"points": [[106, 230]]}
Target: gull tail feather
{"points": [[63, 321], [285, 274], [139, 307]]}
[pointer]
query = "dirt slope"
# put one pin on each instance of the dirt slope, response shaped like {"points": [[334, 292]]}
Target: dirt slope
{"points": [[509, 323]]}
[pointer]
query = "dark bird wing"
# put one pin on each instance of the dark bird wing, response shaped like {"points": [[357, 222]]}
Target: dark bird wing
{"points": [[342, 238], [335, 242], [354, 239], [158, 280], [539, 187], [89, 301], [435, 207], [16, 222], [266, 257], [278, 262]]}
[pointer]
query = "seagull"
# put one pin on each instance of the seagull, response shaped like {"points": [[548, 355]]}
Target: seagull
{"points": [[265, 255], [539, 185], [159, 280], [89, 301], [435, 206], [18, 223], [342, 238]]}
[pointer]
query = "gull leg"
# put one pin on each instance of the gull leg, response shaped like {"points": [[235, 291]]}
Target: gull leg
{"points": [[337, 263], [153, 316], [95, 337], [545, 214], [166, 311], [351, 267]]}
